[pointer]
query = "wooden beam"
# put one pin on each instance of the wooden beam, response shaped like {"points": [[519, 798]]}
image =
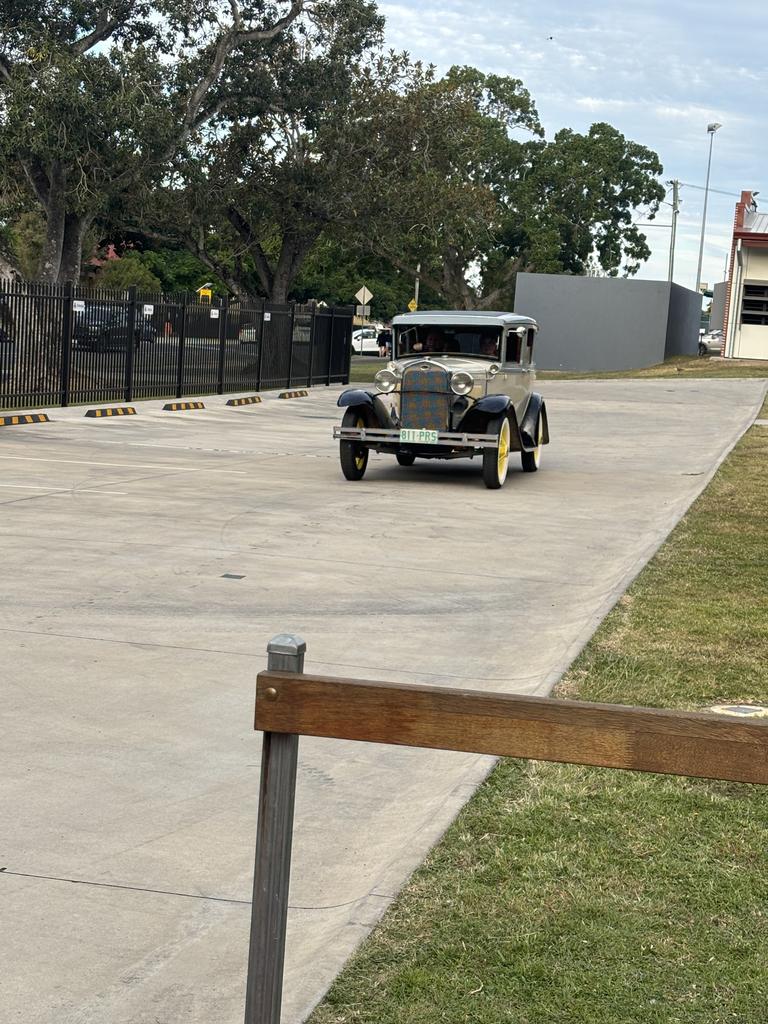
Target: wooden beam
{"points": [[606, 735]]}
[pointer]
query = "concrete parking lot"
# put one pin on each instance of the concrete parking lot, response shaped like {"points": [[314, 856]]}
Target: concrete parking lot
{"points": [[148, 560]]}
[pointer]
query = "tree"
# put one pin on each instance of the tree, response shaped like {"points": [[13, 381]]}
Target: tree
{"points": [[97, 98], [253, 195], [128, 271], [474, 204]]}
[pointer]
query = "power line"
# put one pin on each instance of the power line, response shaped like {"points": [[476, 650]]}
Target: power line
{"points": [[702, 188]]}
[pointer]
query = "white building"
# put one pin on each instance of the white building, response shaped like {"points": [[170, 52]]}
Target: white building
{"points": [[745, 323]]}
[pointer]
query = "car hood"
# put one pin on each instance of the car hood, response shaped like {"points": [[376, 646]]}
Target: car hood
{"points": [[451, 363]]}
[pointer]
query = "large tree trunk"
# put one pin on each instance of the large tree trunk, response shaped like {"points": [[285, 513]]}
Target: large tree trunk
{"points": [[293, 252], [75, 227], [55, 219]]}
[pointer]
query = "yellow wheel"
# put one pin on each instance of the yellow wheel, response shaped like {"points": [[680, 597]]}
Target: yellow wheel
{"points": [[496, 460], [353, 456], [532, 459]]}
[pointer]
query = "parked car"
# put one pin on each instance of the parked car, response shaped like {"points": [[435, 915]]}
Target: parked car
{"points": [[102, 326], [460, 386], [364, 341], [711, 343]]}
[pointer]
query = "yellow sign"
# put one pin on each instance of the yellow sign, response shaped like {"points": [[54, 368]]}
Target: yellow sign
{"points": [[205, 294], [413, 305]]}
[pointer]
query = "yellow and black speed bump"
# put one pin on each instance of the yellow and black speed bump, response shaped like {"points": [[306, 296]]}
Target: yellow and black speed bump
{"points": [[24, 417], [182, 406], [251, 400], [121, 410], [293, 394]]}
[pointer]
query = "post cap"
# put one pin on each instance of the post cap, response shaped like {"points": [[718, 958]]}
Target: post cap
{"points": [[286, 643]]}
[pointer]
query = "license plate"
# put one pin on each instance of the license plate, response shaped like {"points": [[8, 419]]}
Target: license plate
{"points": [[418, 436]]}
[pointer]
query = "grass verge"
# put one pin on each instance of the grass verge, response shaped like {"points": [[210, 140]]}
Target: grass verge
{"points": [[566, 894], [363, 369]]}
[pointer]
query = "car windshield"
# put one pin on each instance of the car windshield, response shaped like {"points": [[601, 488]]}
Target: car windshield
{"points": [[446, 339]]}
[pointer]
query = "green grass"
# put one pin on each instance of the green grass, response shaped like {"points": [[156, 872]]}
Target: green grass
{"points": [[567, 895], [363, 369]]}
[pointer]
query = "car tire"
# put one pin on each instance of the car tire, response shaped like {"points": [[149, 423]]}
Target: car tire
{"points": [[702, 351], [353, 457], [531, 460], [496, 460], [405, 459]]}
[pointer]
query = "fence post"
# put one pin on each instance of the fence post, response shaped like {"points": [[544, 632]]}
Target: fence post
{"points": [[272, 870], [66, 343], [312, 326], [330, 345], [223, 311], [130, 341], [348, 354], [290, 353], [182, 335], [260, 358]]}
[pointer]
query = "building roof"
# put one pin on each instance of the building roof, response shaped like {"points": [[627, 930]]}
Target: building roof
{"points": [[755, 223]]}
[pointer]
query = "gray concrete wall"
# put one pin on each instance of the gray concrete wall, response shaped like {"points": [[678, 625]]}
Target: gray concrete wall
{"points": [[683, 323], [717, 315], [605, 323]]}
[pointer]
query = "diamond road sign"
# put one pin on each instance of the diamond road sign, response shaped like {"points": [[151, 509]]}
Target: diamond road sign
{"points": [[413, 305], [364, 296]]}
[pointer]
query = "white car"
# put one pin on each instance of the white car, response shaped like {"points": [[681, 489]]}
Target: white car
{"points": [[364, 341]]}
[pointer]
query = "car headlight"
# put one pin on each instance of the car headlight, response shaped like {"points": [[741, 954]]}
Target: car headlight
{"points": [[385, 381], [462, 382]]}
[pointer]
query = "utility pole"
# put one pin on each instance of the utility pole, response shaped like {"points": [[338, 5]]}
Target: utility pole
{"points": [[675, 211], [416, 285]]}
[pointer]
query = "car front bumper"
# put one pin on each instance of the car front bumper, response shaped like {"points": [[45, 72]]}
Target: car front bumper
{"points": [[374, 436]]}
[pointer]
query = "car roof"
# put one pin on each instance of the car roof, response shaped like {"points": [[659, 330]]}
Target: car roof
{"points": [[463, 317]]}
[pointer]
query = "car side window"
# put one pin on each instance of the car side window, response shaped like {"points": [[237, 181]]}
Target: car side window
{"points": [[512, 347]]}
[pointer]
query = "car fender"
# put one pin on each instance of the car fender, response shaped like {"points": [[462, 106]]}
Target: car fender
{"points": [[353, 397], [536, 407], [487, 408]]}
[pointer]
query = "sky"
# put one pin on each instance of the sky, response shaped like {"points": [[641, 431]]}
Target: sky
{"points": [[659, 72]]}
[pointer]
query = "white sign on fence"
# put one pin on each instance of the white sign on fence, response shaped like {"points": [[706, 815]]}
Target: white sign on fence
{"points": [[149, 310], [214, 314], [267, 317], [78, 306]]}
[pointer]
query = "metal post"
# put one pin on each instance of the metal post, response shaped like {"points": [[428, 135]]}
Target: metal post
{"points": [[182, 336], [416, 284], [223, 316], [274, 835], [330, 344], [130, 341], [312, 326], [675, 213], [711, 128], [66, 343], [290, 352], [260, 358]]}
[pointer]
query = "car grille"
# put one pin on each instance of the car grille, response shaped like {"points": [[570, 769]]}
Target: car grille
{"points": [[425, 398]]}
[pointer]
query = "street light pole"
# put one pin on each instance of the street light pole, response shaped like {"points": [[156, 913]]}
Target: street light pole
{"points": [[711, 129]]}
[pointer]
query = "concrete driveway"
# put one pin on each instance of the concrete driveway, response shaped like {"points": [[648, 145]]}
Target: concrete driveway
{"points": [[147, 561]]}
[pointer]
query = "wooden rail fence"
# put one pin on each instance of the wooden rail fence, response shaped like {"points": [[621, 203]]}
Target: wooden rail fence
{"points": [[290, 704]]}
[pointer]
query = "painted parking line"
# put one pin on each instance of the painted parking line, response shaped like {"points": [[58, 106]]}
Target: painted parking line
{"points": [[47, 488]]}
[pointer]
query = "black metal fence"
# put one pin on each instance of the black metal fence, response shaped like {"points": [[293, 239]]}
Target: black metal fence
{"points": [[64, 344]]}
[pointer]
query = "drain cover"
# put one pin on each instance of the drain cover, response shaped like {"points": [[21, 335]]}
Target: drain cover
{"points": [[742, 710], [231, 576]]}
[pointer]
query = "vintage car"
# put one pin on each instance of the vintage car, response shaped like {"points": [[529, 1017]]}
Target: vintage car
{"points": [[460, 385]]}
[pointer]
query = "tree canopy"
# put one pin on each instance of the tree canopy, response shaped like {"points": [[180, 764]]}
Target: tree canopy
{"points": [[262, 136]]}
